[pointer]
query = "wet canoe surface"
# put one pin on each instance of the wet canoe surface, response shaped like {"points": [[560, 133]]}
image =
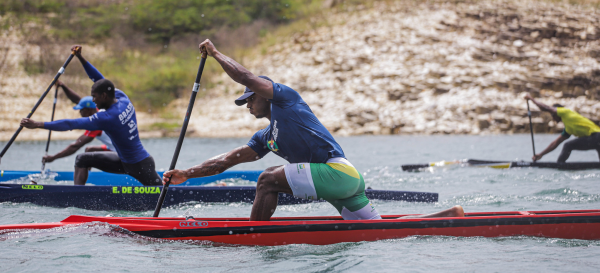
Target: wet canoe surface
{"points": [[504, 165], [110, 179], [141, 198], [322, 230]]}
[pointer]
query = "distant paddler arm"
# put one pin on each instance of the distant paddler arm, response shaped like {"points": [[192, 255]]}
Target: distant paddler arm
{"points": [[552, 112]]}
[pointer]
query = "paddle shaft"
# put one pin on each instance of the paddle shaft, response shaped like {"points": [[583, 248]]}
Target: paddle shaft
{"points": [[531, 128], [186, 120], [50, 131], [60, 72]]}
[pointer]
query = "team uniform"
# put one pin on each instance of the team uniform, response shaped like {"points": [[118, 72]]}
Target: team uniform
{"points": [[586, 131], [119, 123], [318, 168], [103, 137]]}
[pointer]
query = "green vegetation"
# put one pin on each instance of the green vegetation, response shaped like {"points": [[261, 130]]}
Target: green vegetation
{"points": [[159, 20], [151, 44], [169, 126]]}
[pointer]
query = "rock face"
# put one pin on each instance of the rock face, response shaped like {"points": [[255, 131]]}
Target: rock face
{"points": [[398, 67], [436, 68]]}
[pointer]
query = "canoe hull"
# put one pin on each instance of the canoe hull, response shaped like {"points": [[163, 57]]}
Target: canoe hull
{"points": [[139, 198], [111, 179], [504, 165], [583, 225]]}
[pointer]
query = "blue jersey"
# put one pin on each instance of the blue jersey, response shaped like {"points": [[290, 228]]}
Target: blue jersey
{"points": [[118, 122], [295, 133]]}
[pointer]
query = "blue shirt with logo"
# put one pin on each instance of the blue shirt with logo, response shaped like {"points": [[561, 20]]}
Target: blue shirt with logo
{"points": [[295, 133], [118, 121]]}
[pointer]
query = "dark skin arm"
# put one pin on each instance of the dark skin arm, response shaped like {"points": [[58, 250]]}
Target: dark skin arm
{"points": [[31, 124], [540, 105], [71, 149], [74, 97], [550, 147], [215, 165], [238, 73], [77, 50]]}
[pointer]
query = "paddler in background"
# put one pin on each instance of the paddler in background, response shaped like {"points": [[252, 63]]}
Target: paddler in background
{"points": [[86, 107], [318, 168], [586, 131], [118, 121]]}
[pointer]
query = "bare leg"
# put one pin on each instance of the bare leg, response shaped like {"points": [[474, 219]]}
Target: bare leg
{"points": [[80, 176], [270, 183], [456, 211]]}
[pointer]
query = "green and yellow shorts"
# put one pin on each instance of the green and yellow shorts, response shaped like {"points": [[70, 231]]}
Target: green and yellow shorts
{"points": [[336, 182]]}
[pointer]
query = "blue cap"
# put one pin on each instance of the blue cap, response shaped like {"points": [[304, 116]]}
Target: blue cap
{"points": [[247, 93], [85, 102]]}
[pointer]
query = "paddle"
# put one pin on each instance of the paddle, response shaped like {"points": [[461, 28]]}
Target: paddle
{"points": [[186, 120], [531, 128], [60, 72], [49, 135]]}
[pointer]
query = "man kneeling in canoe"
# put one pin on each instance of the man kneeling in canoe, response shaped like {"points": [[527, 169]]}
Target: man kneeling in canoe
{"points": [[318, 168], [586, 131], [118, 120]]}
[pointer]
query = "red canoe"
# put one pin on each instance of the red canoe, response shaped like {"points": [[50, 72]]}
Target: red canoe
{"points": [[571, 224]]}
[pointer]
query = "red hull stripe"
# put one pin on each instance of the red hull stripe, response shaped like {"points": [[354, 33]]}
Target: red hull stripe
{"points": [[372, 225], [583, 224]]}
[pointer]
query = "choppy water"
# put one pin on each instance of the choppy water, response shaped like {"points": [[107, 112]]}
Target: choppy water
{"points": [[103, 248]]}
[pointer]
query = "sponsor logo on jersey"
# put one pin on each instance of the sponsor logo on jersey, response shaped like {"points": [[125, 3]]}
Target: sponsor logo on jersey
{"points": [[273, 146], [126, 115]]}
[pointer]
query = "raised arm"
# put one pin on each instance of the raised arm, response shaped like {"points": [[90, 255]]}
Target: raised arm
{"points": [[540, 105], [91, 71], [238, 73], [213, 166], [74, 97]]}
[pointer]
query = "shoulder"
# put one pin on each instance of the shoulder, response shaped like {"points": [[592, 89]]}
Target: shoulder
{"points": [[284, 95], [120, 94], [261, 135], [560, 111], [99, 116]]}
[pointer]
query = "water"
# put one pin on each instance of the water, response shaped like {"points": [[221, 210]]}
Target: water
{"points": [[102, 248]]}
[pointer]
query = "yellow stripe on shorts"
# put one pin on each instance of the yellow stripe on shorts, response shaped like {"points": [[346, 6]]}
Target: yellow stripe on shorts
{"points": [[345, 169]]}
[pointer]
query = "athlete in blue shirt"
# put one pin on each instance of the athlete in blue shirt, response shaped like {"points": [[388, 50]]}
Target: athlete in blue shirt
{"points": [[318, 168], [118, 121]]}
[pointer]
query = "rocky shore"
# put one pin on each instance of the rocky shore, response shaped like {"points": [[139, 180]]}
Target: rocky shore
{"points": [[424, 68]]}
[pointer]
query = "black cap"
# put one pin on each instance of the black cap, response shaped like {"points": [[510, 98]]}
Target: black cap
{"points": [[247, 93]]}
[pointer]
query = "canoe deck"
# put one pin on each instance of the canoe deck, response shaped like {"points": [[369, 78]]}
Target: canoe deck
{"points": [[322, 230], [111, 179], [140, 198]]}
